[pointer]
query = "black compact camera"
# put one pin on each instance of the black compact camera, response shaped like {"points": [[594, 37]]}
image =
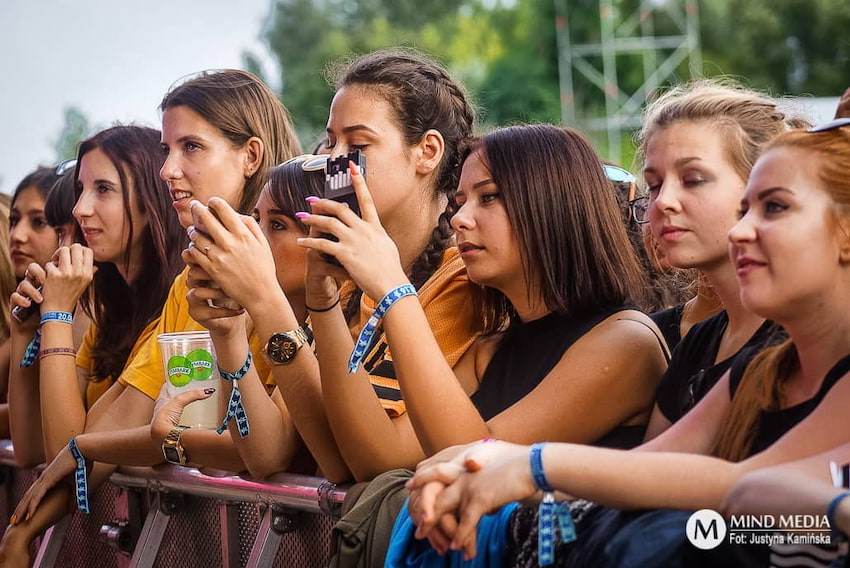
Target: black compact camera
{"points": [[22, 314], [338, 187]]}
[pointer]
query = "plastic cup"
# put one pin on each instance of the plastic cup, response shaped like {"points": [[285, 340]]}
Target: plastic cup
{"points": [[189, 361]]}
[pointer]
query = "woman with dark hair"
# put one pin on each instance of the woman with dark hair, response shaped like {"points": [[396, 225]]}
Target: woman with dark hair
{"points": [[31, 239], [221, 131], [59, 205], [120, 280], [539, 232], [409, 118], [778, 405]]}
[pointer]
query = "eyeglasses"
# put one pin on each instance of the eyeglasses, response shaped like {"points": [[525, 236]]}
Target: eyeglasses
{"points": [[640, 209], [831, 125], [309, 162], [638, 206], [65, 165]]}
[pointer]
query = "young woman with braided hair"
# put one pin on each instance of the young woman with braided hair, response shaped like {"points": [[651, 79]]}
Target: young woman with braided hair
{"points": [[409, 117]]}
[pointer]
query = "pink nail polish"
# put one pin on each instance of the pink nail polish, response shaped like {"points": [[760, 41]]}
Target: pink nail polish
{"points": [[311, 199], [302, 215]]}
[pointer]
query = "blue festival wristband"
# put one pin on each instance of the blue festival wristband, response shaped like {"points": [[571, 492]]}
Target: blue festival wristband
{"points": [[364, 340], [535, 459], [832, 508], [81, 488], [63, 317], [554, 519], [235, 408], [31, 352]]}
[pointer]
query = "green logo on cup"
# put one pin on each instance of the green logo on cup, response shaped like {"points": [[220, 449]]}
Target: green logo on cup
{"points": [[179, 370], [202, 364]]}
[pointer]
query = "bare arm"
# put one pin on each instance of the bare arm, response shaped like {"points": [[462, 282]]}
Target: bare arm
{"points": [[590, 391], [24, 406], [273, 440], [801, 487], [63, 408], [370, 441], [244, 268]]}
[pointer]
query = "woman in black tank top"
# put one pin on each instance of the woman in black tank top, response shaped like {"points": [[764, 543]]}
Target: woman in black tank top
{"points": [[564, 355], [780, 405]]}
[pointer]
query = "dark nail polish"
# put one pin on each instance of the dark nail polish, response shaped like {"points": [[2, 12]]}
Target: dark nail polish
{"points": [[209, 390]]}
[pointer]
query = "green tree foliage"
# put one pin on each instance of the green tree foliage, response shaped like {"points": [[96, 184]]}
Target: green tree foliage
{"points": [[506, 51], [75, 129], [785, 46]]}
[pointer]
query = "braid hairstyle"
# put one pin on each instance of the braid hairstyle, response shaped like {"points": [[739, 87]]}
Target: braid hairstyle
{"points": [[422, 96]]}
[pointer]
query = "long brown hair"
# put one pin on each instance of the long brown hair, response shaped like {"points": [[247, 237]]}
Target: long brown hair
{"points": [[241, 106], [575, 252], [122, 309], [761, 386], [422, 96]]}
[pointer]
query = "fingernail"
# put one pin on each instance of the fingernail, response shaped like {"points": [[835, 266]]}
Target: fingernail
{"points": [[13, 520], [311, 199], [209, 390], [190, 230], [193, 203], [29, 516], [301, 215]]}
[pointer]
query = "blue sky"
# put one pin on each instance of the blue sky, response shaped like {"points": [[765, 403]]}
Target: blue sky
{"points": [[113, 60]]}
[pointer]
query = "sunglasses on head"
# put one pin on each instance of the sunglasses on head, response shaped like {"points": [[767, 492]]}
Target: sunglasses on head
{"points": [[638, 206], [831, 125], [65, 165], [309, 162]]}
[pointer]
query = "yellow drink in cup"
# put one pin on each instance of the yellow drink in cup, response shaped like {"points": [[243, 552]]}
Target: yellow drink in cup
{"points": [[189, 361]]}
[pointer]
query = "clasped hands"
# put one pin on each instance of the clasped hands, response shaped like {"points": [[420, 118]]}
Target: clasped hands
{"points": [[453, 489]]}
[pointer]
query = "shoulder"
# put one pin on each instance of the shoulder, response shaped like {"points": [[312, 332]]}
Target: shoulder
{"points": [[626, 328]]}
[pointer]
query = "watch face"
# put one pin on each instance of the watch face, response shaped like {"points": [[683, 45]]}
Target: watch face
{"points": [[282, 347], [171, 455]]}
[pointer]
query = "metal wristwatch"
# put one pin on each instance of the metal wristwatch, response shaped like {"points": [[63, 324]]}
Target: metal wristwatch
{"points": [[282, 348], [172, 449]]}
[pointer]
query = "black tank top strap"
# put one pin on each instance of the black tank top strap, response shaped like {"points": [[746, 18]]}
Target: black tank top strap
{"points": [[661, 342]]}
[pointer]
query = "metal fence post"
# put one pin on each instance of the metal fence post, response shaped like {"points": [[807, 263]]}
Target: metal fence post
{"points": [[276, 521], [147, 547], [229, 525], [51, 544]]}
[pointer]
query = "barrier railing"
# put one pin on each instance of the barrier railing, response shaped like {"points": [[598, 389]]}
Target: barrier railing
{"points": [[169, 516]]}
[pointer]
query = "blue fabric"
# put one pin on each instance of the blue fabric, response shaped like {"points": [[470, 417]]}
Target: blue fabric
{"points": [[406, 552]]}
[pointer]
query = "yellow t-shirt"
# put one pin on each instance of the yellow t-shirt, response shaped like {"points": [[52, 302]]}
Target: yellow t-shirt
{"points": [[95, 389], [446, 299], [146, 372]]}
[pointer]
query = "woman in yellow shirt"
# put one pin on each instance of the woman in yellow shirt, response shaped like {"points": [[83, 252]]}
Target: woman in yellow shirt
{"points": [[120, 279], [221, 131]]}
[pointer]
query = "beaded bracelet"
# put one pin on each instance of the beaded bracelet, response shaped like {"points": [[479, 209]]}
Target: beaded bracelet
{"points": [[80, 483], [57, 351], [32, 348], [235, 408], [552, 516], [365, 337]]}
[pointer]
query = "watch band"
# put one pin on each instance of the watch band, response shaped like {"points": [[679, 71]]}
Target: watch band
{"points": [[172, 441], [298, 336]]}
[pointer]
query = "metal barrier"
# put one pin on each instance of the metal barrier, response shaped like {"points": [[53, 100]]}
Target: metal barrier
{"points": [[170, 516]]}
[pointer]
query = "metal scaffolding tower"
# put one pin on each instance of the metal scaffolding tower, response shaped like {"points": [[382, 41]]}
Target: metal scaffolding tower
{"points": [[623, 34]]}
